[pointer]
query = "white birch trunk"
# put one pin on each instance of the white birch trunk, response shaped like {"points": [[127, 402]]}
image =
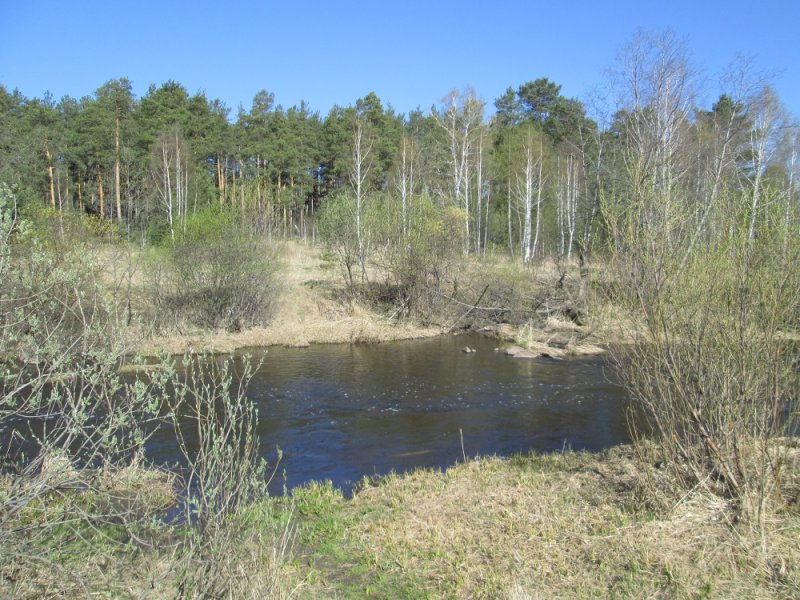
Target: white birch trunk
{"points": [[479, 194], [527, 205], [167, 194], [540, 185], [362, 149]]}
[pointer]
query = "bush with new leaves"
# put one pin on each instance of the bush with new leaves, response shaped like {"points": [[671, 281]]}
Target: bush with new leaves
{"points": [[217, 275]]}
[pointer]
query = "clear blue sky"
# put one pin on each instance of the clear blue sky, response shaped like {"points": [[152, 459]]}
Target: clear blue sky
{"points": [[410, 53]]}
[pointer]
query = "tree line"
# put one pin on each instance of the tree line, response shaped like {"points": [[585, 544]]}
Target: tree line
{"points": [[530, 178]]}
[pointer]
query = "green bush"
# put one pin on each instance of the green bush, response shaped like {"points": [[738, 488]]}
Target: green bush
{"points": [[218, 274], [337, 227], [52, 301], [420, 262]]}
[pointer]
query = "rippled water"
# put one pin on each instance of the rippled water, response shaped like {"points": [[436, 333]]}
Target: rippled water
{"points": [[341, 412]]}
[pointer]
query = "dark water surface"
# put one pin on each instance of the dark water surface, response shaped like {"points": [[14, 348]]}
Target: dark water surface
{"points": [[340, 412]]}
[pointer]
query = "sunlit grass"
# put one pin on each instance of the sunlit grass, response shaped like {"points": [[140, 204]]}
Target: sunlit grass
{"points": [[540, 526]]}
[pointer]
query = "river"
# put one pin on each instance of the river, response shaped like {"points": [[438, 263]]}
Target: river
{"points": [[340, 412]]}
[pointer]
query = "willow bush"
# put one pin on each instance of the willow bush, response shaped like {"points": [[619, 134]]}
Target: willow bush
{"points": [[82, 512], [71, 426], [216, 274], [712, 363], [418, 258]]}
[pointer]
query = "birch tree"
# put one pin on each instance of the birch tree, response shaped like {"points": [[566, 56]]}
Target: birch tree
{"points": [[170, 174], [567, 209], [460, 118], [529, 190], [657, 85], [768, 120], [404, 181], [359, 175]]}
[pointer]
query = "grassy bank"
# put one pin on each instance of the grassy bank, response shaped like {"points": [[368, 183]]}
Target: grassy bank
{"points": [[313, 306], [571, 525], [542, 526], [310, 308]]}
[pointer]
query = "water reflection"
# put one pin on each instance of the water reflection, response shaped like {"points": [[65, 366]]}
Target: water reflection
{"points": [[340, 412]]}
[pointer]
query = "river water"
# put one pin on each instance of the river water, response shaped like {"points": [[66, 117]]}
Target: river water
{"points": [[340, 412]]}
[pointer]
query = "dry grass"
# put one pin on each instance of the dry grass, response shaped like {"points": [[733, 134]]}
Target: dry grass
{"points": [[309, 310], [114, 559], [562, 526], [560, 338], [314, 308]]}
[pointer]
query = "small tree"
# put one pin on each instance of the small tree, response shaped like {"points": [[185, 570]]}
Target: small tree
{"points": [[418, 262], [339, 229]]}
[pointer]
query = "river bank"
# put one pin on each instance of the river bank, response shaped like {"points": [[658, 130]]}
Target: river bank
{"points": [[565, 525], [562, 525], [312, 308]]}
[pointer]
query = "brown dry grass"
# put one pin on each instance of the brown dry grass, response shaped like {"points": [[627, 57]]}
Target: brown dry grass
{"points": [[313, 307], [310, 310], [562, 526], [555, 526]]}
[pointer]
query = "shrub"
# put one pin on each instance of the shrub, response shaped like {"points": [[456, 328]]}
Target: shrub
{"points": [[337, 227], [712, 365], [218, 274], [81, 513], [66, 415]]}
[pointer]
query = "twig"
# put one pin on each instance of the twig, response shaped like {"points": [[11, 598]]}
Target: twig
{"points": [[715, 449]]}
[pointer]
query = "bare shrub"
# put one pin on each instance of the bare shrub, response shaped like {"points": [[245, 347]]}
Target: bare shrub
{"points": [[711, 364], [705, 258]]}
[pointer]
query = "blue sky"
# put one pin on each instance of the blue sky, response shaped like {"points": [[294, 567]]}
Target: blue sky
{"points": [[410, 53]]}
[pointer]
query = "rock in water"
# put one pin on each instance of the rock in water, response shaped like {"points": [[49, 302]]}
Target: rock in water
{"points": [[518, 352]]}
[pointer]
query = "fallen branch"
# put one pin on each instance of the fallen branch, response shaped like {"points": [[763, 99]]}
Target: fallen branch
{"points": [[471, 308], [500, 309]]}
